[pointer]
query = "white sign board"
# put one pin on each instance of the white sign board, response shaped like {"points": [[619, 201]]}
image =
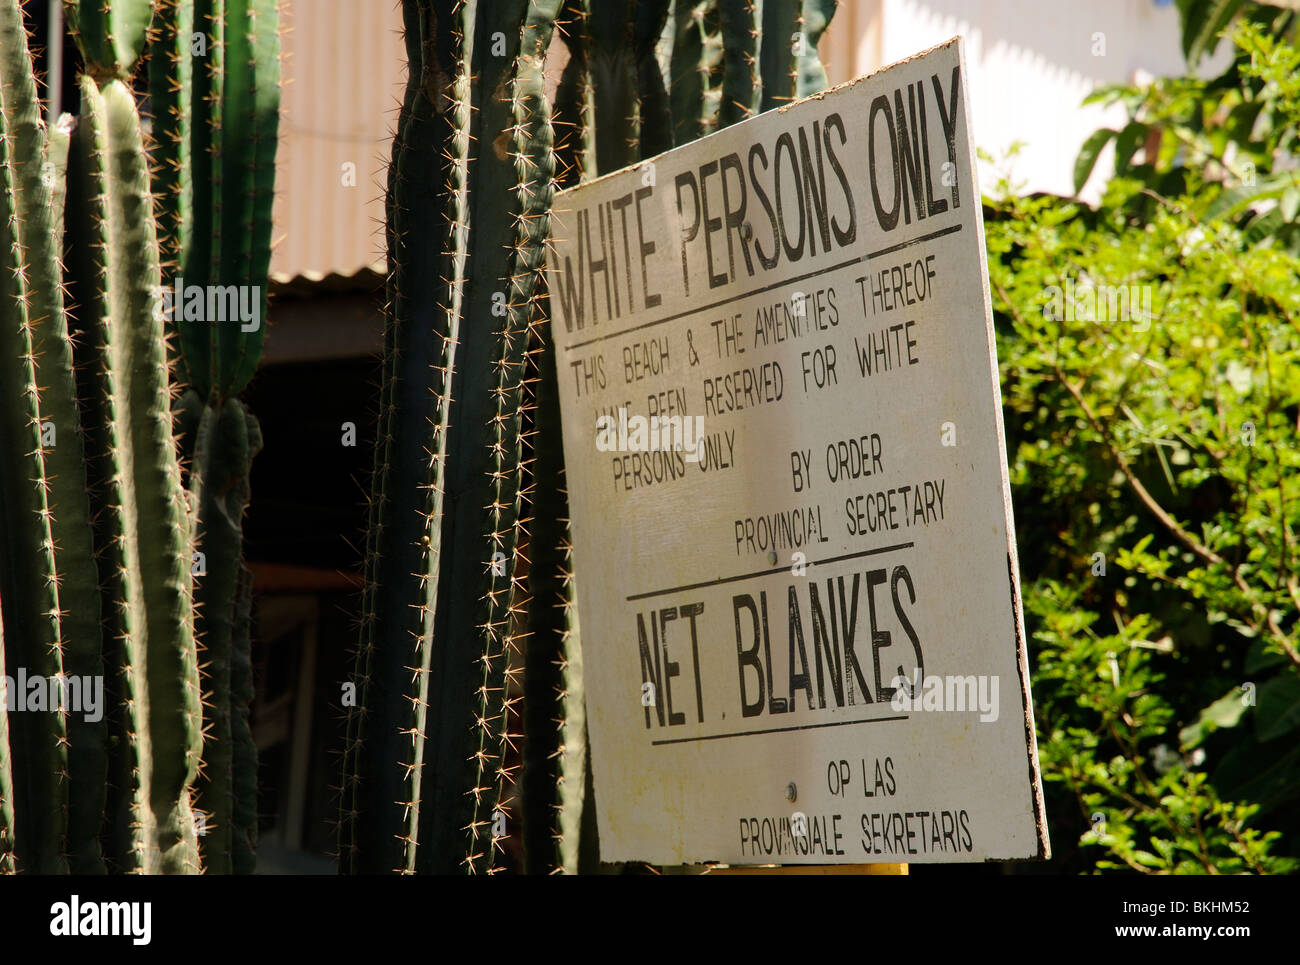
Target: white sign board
{"points": [[793, 543]]}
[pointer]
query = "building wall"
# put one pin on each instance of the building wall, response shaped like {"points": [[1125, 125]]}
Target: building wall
{"points": [[1031, 63]]}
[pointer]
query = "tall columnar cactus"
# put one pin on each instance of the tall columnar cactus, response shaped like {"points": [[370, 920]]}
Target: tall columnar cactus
{"points": [[97, 531], [214, 87], [50, 586], [32, 324], [145, 530], [811, 73], [384, 753], [424, 766], [558, 820], [574, 147], [653, 110], [214, 77], [690, 68], [612, 62], [459, 508]]}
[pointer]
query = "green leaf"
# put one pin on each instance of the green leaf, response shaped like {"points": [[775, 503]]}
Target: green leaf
{"points": [[1147, 858], [1088, 154], [1108, 94], [1263, 227], [1234, 199], [1289, 204], [1278, 709], [1130, 139], [1224, 712], [1264, 774], [1260, 657], [1202, 22]]}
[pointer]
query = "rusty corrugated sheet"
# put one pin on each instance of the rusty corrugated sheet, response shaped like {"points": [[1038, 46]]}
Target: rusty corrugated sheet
{"points": [[343, 71]]}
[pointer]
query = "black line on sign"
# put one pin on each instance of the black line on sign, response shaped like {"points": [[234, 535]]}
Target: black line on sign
{"points": [[774, 730], [767, 288], [915, 241], [776, 569]]}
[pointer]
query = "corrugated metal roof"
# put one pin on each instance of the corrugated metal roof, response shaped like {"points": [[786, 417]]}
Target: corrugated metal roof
{"points": [[343, 70]]}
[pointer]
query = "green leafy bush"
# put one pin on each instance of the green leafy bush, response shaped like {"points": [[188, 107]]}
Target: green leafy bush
{"points": [[1150, 356]]}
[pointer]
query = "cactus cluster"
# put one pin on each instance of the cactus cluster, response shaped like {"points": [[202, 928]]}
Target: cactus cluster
{"points": [[468, 581], [99, 530]]}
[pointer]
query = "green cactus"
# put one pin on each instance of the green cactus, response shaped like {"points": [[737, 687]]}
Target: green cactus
{"points": [[777, 59], [816, 16], [243, 850], [214, 83], [617, 127], [145, 502], [788, 59], [110, 33], [214, 86], [559, 812], [97, 531], [554, 775], [32, 323], [456, 496], [372, 718], [389, 725], [571, 113], [456, 361], [59, 761], [224, 451], [654, 111], [740, 52], [691, 69], [685, 81], [487, 381]]}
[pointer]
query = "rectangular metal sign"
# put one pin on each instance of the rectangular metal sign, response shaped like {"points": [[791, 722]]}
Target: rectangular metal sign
{"points": [[793, 543]]}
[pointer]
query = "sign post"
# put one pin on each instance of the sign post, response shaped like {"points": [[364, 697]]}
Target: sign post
{"points": [[792, 528]]}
